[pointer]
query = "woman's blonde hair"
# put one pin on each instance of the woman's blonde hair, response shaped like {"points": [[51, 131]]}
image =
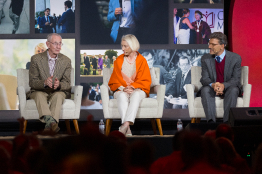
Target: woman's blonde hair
{"points": [[41, 46], [132, 41]]}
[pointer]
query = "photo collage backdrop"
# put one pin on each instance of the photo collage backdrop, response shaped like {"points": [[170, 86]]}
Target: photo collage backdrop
{"points": [[94, 34]]}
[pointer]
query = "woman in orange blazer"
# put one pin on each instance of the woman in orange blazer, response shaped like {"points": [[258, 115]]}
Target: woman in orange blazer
{"points": [[130, 81]]}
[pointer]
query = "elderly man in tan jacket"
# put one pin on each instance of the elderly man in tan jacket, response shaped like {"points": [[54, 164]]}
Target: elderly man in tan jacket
{"points": [[49, 79]]}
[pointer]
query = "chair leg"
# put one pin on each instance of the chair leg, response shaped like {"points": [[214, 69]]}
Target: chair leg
{"points": [[67, 122], [108, 126], [153, 122], [76, 126], [193, 120], [158, 121], [198, 120], [24, 128]]}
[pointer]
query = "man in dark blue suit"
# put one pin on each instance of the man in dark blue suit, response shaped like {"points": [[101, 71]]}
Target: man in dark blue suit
{"points": [[68, 19], [47, 22]]}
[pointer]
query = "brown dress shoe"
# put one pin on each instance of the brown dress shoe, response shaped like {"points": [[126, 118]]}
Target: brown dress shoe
{"points": [[54, 127]]}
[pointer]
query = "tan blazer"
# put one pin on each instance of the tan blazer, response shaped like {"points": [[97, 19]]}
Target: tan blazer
{"points": [[39, 72]]}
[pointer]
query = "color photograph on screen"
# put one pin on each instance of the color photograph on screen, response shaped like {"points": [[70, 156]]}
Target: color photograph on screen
{"points": [[54, 16], [14, 17], [175, 72], [91, 96], [194, 25], [106, 21], [15, 54], [92, 62], [199, 1]]}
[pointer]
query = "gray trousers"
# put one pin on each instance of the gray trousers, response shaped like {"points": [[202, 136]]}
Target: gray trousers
{"points": [[15, 19], [208, 101]]}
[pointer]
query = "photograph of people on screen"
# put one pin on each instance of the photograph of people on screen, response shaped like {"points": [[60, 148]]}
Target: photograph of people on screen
{"points": [[92, 62], [14, 17], [175, 72], [91, 96], [199, 1], [16, 54], [194, 26], [54, 16], [106, 21]]}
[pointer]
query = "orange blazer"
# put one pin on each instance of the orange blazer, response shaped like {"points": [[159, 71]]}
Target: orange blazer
{"points": [[142, 79]]}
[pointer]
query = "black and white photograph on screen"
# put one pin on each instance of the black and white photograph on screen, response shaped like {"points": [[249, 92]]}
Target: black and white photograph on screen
{"points": [[194, 25], [106, 21], [199, 1], [175, 72], [92, 62], [91, 96], [16, 54], [14, 17], [54, 16]]}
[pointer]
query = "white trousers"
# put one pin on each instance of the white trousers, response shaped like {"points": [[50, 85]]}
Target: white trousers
{"points": [[183, 36], [128, 104]]}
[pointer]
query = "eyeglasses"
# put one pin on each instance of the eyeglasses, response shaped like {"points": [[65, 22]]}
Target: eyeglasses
{"points": [[56, 44], [211, 44]]}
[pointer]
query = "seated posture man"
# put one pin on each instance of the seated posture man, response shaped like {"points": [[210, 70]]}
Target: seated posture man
{"points": [[49, 79], [221, 72]]}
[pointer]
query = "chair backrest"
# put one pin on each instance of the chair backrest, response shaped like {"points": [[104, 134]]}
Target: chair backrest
{"points": [[10, 85], [23, 78], [4, 105], [108, 71], [196, 76]]}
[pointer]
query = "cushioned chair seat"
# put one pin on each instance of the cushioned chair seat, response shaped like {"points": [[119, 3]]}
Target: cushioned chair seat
{"points": [[145, 103]]}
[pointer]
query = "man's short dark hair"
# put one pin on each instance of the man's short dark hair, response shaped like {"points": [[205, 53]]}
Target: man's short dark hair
{"points": [[68, 4], [222, 38], [47, 9]]}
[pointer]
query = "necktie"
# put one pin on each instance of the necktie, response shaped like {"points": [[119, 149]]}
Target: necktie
{"points": [[218, 59]]}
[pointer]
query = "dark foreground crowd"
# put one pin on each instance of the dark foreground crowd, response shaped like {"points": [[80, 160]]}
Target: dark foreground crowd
{"points": [[94, 153]]}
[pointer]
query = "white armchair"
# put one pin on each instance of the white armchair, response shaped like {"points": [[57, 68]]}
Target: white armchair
{"points": [[27, 108], [195, 107], [149, 108]]}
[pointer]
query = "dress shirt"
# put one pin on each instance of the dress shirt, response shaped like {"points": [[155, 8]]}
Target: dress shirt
{"points": [[127, 18], [51, 63]]}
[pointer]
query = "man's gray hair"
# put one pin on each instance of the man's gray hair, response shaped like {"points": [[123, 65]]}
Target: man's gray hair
{"points": [[49, 37], [222, 38]]}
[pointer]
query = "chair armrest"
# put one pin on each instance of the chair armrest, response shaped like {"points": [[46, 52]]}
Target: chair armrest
{"points": [[190, 99], [246, 95], [22, 98], [160, 91], [105, 100], [77, 91]]}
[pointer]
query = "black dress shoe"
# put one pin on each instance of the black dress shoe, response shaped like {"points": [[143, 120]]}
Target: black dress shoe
{"points": [[211, 121]]}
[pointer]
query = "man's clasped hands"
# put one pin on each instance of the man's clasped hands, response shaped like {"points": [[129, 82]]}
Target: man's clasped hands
{"points": [[49, 82]]}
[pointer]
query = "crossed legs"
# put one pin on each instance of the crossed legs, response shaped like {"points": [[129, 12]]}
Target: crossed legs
{"points": [[55, 99]]}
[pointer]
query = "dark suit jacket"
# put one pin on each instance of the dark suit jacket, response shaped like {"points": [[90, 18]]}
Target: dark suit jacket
{"points": [[87, 62], [68, 22], [39, 72], [17, 6], [232, 70], [46, 28], [174, 87], [94, 63]]}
